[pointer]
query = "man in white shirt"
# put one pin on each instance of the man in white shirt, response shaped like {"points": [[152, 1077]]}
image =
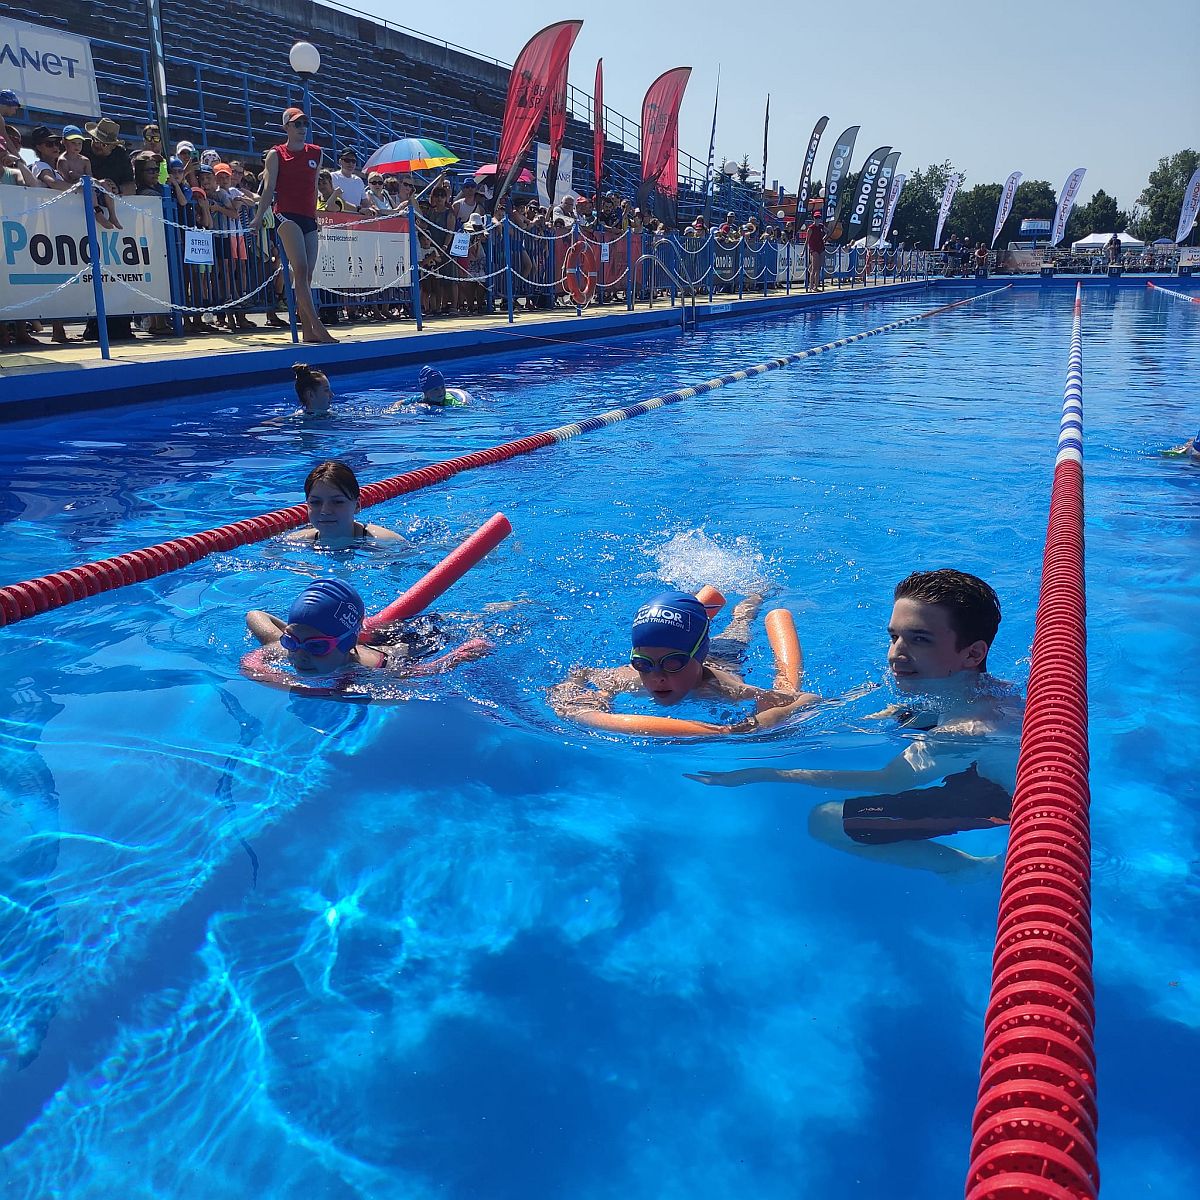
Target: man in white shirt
{"points": [[352, 186], [467, 202]]}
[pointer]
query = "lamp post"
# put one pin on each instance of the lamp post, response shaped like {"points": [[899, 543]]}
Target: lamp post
{"points": [[305, 60]]}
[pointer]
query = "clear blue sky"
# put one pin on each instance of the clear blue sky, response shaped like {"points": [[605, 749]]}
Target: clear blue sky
{"points": [[1040, 87]]}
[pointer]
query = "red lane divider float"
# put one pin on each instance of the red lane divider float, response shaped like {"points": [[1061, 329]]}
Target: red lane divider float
{"points": [[1034, 1129], [20, 600]]}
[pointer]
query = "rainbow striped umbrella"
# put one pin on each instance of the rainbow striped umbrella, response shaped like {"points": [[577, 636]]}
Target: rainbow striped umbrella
{"points": [[410, 154]]}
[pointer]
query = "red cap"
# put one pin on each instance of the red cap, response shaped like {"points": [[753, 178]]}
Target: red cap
{"points": [[290, 114]]}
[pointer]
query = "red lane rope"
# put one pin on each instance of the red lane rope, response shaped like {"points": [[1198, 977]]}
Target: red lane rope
{"points": [[1034, 1128], [20, 600]]}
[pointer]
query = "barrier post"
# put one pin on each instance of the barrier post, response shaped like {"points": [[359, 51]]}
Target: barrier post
{"points": [[414, 273], [174, 265], [741, 267], [787, 261], [578, 271], [712, 265], [287, 291], [764, 263], [508, 274], [552, 246], [629, 270], [89, 212]]}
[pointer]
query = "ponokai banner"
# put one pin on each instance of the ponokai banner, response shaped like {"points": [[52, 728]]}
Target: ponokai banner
{"points": [[660, 140], [879, 199], [45, 247], [944, 211], [892, 200], [1006, 202], [839, 168], [1189, 208], [1066, 202], [860, 202], [49, 69], [530, 86], [353, 253], [814, 140]]}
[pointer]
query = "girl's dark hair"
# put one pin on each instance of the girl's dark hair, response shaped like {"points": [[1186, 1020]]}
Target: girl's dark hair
{"points": [[307, 378], [335, 473]]}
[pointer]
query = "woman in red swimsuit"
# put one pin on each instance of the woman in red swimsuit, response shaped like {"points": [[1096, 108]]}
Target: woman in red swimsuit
{"points": [[290, 180]]}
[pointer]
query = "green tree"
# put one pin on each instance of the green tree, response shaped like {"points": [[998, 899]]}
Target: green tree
{"points": [[1099, 215], [1034, 199], [917, 210], [973, 214], [1162, 197]]}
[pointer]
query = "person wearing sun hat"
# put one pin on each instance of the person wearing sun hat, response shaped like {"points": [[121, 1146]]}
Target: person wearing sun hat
{"points": [[10, 136], [109, 157]]}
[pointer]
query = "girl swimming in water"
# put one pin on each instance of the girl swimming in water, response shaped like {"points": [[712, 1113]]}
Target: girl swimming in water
{"points": [[312, 390], [331, 492]]}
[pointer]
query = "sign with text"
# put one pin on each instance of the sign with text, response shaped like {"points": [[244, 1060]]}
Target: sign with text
{"points": [[198, 247], [48, 68], [566, 173], [44, 246], [357, 254]]}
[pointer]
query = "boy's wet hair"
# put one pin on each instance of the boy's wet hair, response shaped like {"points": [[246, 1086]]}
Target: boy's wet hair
{"points": [[972, 608], [336, 474]]}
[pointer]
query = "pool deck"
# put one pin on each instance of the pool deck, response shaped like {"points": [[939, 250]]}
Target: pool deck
{"points": [[40, 381]]}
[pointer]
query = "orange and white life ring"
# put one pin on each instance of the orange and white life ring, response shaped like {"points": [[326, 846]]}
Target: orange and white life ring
{"points": [[581, 268]]}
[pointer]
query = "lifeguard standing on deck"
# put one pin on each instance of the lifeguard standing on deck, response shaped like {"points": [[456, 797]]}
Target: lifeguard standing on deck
{"points": [[291, 182]]}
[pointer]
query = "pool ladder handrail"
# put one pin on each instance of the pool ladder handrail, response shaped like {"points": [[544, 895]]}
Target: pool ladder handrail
{"points": [[683, 284]]}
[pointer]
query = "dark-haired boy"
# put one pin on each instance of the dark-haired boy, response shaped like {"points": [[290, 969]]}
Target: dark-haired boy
{"points": [[941, 628]]}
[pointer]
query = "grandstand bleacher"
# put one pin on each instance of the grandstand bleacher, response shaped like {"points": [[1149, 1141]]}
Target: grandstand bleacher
{"points": [[228, 78]]}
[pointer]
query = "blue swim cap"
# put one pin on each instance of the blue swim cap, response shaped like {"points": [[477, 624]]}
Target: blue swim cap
{"points": [[331, 607], [431, 377], [674, 619]]}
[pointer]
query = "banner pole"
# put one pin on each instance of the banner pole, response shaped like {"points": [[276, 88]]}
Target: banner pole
{"points": [[89, 202], [414, 273], [508, 274]]}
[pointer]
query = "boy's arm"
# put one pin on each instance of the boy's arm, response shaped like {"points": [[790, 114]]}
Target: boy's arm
{"points": [[266, 628], [588, 689], [904, 771]]}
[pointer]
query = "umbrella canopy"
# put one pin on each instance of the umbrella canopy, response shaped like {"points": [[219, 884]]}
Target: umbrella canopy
{"points": [[490, 169], [1162, 242], [410, 154]]}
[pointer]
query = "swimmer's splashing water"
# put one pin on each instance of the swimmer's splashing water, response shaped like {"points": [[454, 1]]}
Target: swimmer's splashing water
{"points": [[691, 559]]}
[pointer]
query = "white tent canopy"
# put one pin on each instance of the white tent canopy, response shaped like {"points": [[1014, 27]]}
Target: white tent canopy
{"points": [[1097, 241]]}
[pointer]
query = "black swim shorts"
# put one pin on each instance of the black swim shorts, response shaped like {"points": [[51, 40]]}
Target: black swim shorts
{"points": [[963, 801], [307, 224]]}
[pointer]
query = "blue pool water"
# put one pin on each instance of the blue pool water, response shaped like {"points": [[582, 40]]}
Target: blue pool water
{"points": [[259, 945]]}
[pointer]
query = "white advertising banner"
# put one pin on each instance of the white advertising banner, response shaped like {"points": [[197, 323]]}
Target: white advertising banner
{"points": [[44, 260], [566, 173], [790, 262], [943, 212], [1006, 202], [1190, 207], [893, 199], [1066, 202], [354, 254], [48, 68]]}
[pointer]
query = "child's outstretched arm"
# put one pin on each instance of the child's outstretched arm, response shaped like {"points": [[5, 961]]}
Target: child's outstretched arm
{"points": [[266, 628]]}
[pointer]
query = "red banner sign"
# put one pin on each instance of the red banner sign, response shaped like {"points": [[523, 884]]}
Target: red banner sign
{"points": [[531, 86], [660, 130]]}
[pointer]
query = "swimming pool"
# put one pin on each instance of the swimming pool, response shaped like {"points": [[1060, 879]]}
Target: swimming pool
{"points": [[456, 947]]}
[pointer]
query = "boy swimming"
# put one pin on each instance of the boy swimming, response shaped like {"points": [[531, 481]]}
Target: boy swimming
{"points": [[670, 642], [942, 626]]}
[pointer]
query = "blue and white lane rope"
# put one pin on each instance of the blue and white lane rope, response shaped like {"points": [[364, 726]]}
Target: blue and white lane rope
{"points": [[563, 432], [1070, 427], [1154, 287]]}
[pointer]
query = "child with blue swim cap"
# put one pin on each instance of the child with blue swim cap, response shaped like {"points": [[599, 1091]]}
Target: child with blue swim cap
{"points": [[434, 390], [670, 641], [321, 636]]}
